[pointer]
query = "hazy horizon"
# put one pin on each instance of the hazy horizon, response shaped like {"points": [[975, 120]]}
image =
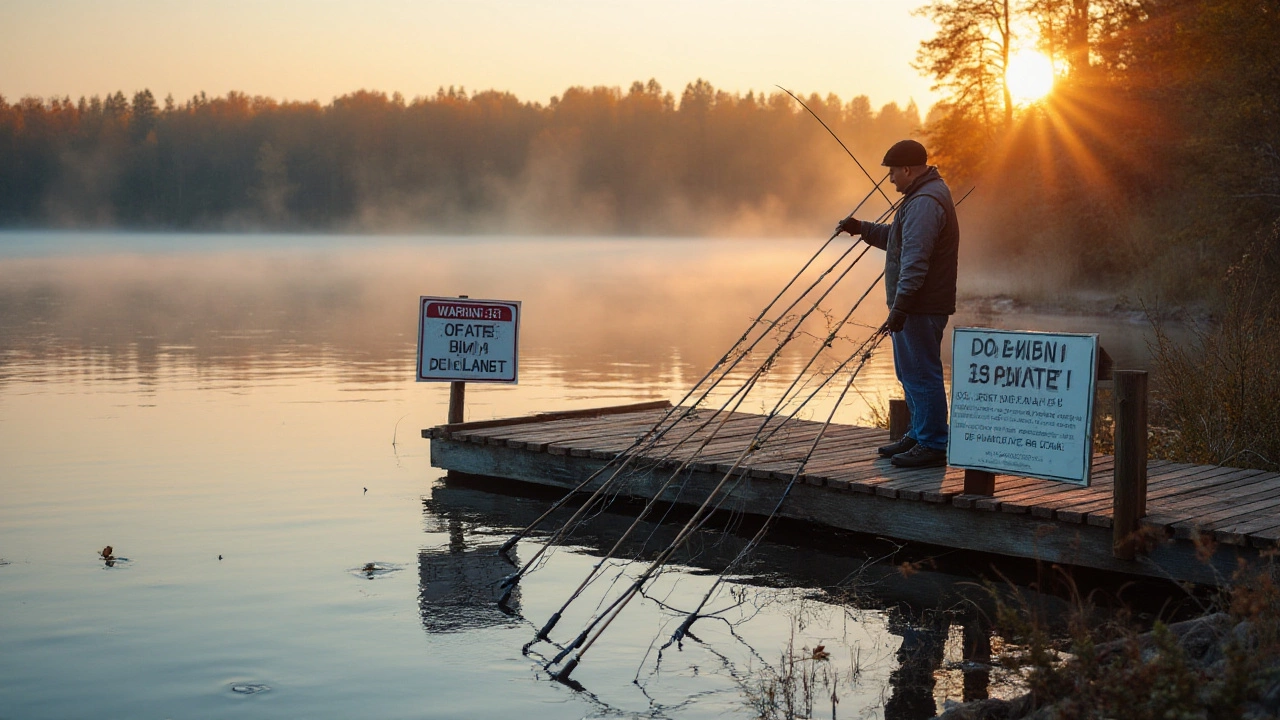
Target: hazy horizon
{"points": [[291, 50]]}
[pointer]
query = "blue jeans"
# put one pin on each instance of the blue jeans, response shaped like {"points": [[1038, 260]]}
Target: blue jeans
{"points": [[917, 360]]}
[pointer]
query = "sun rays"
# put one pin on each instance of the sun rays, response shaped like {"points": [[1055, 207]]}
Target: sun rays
{"points": [[1030, 76]]}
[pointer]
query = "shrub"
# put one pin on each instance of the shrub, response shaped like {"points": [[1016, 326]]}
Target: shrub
{"points": [[1216, 396]]}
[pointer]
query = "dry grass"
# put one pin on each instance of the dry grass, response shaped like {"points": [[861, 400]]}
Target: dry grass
{"points": [[1224, 665], [1217, 398]]}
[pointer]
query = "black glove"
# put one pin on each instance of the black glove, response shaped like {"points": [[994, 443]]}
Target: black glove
{"points": [[897, 320], [849, 225]]}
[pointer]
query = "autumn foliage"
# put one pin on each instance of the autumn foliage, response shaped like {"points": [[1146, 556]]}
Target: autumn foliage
{"points": [[1153, 163]]}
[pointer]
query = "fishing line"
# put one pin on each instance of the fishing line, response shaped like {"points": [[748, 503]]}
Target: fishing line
{"points": [[701, 516], [510, 581], [837, 138], [865, 353], [741, 396], [720, 363], [752, 446]]}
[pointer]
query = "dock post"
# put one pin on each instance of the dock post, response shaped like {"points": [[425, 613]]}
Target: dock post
{"points": [[899, 419], [457, 395], [979, 482], [1130, 500]]}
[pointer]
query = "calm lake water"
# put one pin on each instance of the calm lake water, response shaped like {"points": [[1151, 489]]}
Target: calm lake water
{"points": [[237, 417]]}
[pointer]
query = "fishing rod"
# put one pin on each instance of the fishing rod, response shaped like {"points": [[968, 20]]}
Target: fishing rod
{"points": [[864, 352], [693, 616], [563, 675], [695, 523], [876, 187], [506, 546], [755, 442], [509, 582], [837, 138]]}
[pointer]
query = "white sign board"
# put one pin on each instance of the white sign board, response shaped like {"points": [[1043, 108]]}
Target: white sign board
{"points": [[1022, 403], [467, 340]]}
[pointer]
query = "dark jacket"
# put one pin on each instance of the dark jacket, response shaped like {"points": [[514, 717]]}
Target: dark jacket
{"points": [[921, 248]]}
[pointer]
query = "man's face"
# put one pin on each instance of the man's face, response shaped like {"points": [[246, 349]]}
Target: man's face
{"points": [[900, 177]]}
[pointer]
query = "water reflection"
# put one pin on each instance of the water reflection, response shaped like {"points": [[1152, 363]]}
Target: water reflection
{"points": [[933, 614], [457, 588]]}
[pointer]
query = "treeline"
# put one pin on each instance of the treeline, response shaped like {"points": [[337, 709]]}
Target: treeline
{"points": [[1151, 168], [592, 160]]}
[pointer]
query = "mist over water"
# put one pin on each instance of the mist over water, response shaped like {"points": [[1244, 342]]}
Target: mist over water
{"points": [[221, 409]]}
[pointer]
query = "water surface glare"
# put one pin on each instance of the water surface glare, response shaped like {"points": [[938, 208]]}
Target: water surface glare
{"points": [[237, 417]]}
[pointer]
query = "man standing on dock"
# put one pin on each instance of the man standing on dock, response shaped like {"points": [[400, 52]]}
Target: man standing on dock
{"points": [[921, 248]]}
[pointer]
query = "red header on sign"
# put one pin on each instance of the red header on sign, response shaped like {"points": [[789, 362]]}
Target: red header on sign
{"points": [[469, 311]]}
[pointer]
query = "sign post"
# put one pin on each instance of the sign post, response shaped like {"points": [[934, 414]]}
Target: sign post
{"points": [[1022, 403], [461, 340]]}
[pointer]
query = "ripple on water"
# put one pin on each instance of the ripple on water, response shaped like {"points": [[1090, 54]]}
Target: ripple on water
{"points": [[249, 688], [374, 570]]}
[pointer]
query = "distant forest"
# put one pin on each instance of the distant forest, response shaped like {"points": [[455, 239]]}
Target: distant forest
{"points": [[1153, 165], [592, 160]]}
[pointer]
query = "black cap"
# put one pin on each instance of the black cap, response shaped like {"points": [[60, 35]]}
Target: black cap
{"points": [[906, 153]]}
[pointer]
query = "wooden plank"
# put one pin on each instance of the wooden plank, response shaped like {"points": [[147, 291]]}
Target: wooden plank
{"points": [[562, 443], [551, 427], [1238, 530], [795, 440], [602, 445], [1096, 500], [861, 476], [734, 427], [1079, 512], [1226, 487], [858, 448], [1026, 500], [1043, 500], [1241, 507], [729, 450], [1204, 478], [1181, 505], [569, 429], [901, 482], [543, 417], [831, 448], [1207, 517], [837, 458], [950, 483], [1008, 486], [936, 523], [687, 430], [952, 486], [1265, 538], [540, 442]]}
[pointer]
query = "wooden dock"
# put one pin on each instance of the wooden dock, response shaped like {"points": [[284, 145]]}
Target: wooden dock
{"points": [[1200, 519]]}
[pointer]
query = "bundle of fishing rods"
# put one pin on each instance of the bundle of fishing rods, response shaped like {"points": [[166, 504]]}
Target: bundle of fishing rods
{"points": [[685, 431]]}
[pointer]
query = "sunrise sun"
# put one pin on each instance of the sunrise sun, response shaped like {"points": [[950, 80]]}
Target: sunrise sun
{"points": [[1030, 76]]}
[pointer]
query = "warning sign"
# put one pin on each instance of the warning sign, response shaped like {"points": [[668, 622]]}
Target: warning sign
{"points": [[1022, 403], [468, 340]]}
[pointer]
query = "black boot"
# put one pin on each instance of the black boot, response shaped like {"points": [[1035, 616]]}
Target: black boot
{"points": [[920, 457], [903, 445]]}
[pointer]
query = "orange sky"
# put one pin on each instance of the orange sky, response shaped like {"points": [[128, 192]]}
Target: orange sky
{"points": [[317, 49]]}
